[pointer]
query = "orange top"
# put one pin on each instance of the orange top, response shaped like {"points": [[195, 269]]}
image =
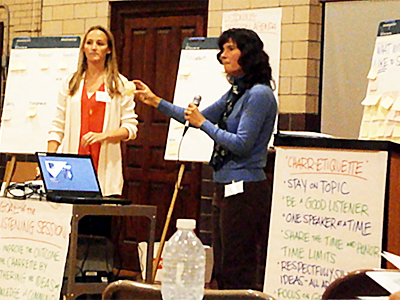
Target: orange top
{"points": [[92, 119]]}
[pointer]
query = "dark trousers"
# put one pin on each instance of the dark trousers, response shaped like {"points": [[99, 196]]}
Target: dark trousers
{"points": [[240, 229]]}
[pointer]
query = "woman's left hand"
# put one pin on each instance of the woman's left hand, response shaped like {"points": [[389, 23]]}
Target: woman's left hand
{"points": [[93, 137], [194, 116]]}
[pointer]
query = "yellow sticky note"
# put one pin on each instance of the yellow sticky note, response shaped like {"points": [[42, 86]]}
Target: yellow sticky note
{"points": [[381, 129], [7, 112], [396, 116], [172, 148], [396, 104], [373, 85], [391, 115], [14, 65], [371, 99], [396, 131], [373, 72], [44, 63], [382, 113], [367, 113], [22, 65], [387, 101], [373, 130], [185, 70], [177, 125], [63, 63], [18, 65], [32, 110], [364, 130], [389, 129]]}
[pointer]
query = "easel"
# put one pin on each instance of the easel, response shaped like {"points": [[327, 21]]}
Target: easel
{"points": [[167, 221], [192, 47], [9, 171]]}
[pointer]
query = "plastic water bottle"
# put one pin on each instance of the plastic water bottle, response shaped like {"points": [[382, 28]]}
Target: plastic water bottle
{"points": [[183, 264]]}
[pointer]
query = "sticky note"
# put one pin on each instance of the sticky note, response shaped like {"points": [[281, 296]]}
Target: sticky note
{"points": [[14, 65], [367, 113], [18, 65], [373, 71], [44, 63], [381, 129], [32, 110], [172, 148], [387, 101], [373, 130], [373, 85], [391, 115], [371, 99], [63, 63], [382, 113], [22, 65], [7, 112], [396, 104], [364, 130], [389, 129], [396, 116], [396, 131], [177, 125], [185, 70]]}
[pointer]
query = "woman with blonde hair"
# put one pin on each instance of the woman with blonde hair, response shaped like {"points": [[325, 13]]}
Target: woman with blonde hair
{"points": [[95, 110]]}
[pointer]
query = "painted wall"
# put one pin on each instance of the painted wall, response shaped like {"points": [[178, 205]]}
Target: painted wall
{"points": [[300, 49]]}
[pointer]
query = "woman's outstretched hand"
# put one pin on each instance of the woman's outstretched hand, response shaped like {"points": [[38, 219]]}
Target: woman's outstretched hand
{"points": [[145, 94]]}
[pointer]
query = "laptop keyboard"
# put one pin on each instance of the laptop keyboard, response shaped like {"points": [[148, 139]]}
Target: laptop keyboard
{"points": [[87, 200]]}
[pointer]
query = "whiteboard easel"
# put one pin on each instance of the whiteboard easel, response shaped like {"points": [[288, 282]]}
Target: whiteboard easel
{"points": [[37, 66], [382, 101], [199, 73]]}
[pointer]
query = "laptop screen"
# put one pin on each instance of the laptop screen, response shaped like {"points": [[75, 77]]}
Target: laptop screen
{"points": [[68, 174]]}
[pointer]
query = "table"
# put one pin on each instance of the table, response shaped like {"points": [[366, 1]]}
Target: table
{"points": [[73, 289]]}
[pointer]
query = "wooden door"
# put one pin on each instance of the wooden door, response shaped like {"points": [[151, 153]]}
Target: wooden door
{"points": [[149, 49]]}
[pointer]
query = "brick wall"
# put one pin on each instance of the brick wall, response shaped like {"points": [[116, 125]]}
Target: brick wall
{"points": [[54, 17], [300, 48]]}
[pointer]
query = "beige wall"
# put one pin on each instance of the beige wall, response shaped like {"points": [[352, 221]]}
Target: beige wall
{"points": [[54, 17], [300, 49]]}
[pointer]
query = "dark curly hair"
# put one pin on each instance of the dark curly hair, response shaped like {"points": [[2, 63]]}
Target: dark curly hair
{"points": [[253, 59]]}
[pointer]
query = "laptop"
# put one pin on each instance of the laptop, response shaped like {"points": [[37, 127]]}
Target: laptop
{"points": [[72, 178]]}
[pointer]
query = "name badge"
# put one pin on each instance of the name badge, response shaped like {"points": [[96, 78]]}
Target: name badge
{"points": [[234, 188], [103, 97]]}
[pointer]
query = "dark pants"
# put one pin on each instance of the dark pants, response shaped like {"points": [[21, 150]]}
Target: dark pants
{"points": [[240, 229]]}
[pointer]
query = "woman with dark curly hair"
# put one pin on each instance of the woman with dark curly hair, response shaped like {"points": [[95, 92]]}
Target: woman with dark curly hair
{"points": [[245, 116]]}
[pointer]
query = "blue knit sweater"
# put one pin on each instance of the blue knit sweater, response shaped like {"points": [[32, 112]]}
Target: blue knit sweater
{"points": [[249, 129]]}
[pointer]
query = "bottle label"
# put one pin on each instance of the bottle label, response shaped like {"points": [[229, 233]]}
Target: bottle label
{"points": [[179, 272]]}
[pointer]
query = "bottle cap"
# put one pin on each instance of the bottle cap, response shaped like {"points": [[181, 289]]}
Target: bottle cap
{"points": [[186, 223]]}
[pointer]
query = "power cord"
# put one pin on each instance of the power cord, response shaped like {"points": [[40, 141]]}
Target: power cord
{"points": [[28, 190]]}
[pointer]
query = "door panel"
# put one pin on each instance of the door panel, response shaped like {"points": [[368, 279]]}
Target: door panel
{"points": [[149, 50]]}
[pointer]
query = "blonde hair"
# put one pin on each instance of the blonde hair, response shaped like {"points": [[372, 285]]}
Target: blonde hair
{"points": [[114, 83]]}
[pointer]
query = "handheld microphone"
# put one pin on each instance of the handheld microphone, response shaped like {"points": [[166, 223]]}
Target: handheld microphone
{"points": [[196, 101]]}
